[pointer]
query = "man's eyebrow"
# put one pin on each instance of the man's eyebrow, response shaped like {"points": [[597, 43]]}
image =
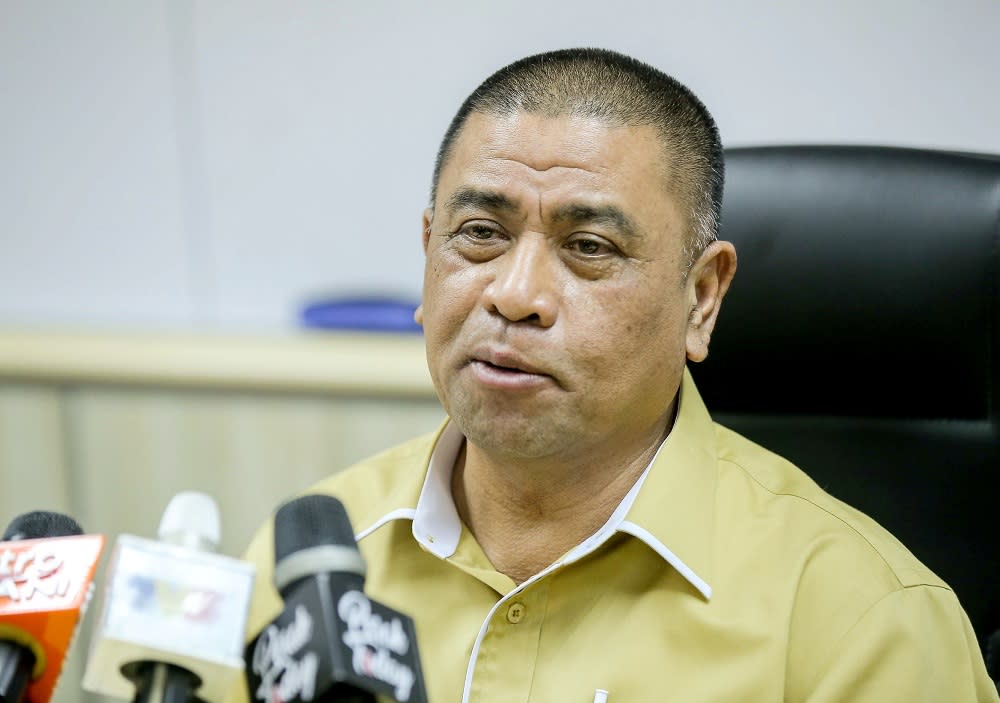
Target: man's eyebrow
{"points": [[574, 213], [474, 198], [607, 215]]}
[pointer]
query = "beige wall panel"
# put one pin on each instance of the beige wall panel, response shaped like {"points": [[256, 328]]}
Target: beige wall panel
{"points": [[137, 448], [33, 475], [112, 447], [133, 449]]}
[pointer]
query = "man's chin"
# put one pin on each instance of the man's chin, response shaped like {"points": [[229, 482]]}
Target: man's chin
{"points": [[520, 438]]}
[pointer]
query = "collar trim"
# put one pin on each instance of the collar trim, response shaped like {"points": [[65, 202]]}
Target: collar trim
{"points": [[400, 514], [677, 505], [675, 561]]}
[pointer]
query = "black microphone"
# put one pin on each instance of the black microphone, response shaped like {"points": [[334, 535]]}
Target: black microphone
{"points": [[40, 524], [47, 568], [331, 643]]}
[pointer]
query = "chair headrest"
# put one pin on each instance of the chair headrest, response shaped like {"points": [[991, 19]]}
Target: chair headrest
{"points": [[867, 284]]}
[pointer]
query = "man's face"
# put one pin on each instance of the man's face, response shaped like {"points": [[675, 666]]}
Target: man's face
{"points": [[555, 306]]}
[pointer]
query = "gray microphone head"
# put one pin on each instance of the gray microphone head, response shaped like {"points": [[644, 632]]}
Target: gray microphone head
{"points": [[313, 535], [41, 524]]}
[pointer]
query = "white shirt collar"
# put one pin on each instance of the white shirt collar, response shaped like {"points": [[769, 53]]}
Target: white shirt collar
{"points": [[436, 524], [438, 527]]}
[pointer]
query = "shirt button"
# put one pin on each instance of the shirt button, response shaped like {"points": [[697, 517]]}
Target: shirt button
{"points": [[515, 613]]}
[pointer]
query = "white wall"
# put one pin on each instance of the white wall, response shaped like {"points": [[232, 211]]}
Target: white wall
{"points": [[173, 164]]}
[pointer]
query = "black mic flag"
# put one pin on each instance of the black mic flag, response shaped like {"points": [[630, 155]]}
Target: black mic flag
{"points": [[331, 642]]}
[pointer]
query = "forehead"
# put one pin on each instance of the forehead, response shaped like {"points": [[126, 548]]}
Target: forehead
{"points": [[559, 158]]}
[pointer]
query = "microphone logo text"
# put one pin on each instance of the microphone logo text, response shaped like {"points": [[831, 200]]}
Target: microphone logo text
{"points": [[372, 641], [155, 595], [23, 573], [282, 676]]}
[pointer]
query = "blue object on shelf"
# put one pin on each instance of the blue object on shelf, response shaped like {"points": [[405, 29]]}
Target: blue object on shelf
{"points": [[363, 314]]}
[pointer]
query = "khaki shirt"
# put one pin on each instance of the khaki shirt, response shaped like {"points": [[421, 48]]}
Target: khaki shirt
{"points": [[725, 575]]}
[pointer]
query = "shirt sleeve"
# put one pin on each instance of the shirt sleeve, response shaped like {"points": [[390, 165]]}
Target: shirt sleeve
{"points": [[265, 604], [914, 645]]}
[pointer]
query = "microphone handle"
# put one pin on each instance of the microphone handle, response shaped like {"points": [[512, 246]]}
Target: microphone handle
{"points": [[344, 693], [16, 665], [159, 682]]}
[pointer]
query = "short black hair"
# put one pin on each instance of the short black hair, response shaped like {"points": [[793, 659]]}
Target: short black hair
{"points": [[621, 91]]}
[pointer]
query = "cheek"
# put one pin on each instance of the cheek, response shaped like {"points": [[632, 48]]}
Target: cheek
{"points": [[636, 335], [450, 294]]}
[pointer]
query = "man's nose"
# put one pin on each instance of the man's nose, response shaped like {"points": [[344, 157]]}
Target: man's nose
{"points": [[524, 288]]}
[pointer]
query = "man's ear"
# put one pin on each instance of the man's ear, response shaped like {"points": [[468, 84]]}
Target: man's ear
{"points": [[707, 283], [427, 219]]}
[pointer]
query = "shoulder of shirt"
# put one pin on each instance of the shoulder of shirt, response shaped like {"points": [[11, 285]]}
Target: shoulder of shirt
{"points": [[370, 489], [388, 481], [823, 514]]}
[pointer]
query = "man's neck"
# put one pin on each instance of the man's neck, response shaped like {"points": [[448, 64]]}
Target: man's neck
{"points": [[527, 514]]}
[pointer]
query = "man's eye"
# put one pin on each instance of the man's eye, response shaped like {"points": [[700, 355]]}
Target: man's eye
{"points": [[590, 247], [479, 232]]}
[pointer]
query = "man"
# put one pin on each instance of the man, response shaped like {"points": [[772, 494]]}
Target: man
{"points": [[580, 530]]}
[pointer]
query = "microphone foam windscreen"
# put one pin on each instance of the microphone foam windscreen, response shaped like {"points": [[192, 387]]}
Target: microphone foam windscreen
{"points": [[41, 524], [191, 520], [311, 521]]}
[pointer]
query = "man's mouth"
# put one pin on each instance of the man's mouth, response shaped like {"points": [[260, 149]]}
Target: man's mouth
{"points": [[508, 362], [498, 367], [507, 372]]}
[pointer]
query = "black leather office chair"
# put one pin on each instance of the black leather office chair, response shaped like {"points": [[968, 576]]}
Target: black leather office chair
{"points": [[861, 340]]}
